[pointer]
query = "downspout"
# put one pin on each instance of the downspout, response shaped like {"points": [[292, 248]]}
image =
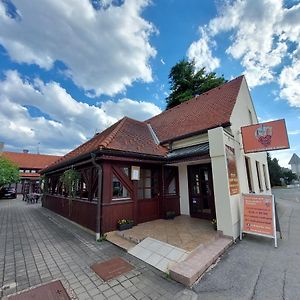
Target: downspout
{"points": [[98, 216]]}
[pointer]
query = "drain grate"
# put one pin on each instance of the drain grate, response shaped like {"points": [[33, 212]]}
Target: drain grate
{"points": [[111, 268], [50, 291]]}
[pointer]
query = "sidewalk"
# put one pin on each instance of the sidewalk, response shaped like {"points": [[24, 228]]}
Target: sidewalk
{"points": [[38, 246]]}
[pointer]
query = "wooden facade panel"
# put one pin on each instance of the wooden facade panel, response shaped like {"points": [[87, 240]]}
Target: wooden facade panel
{"points": [[148, 210], [114, 212], [172, 203], [84, 213], [81, 212]]}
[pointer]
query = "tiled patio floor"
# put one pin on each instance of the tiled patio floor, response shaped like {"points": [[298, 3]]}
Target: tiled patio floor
{"points": [[183, 232]]}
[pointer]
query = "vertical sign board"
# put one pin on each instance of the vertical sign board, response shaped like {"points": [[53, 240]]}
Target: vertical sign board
{"points": [[265, 137], [259, 216], [135, 173], [234, 187]]}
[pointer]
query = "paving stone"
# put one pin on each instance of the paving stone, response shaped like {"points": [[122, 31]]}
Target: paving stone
{"points": [[38, 246]]}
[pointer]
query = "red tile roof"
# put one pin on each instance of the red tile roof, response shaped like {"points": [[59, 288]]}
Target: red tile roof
{"points": [[29, 175], [126, 135], [208, 110], [30, 160]]}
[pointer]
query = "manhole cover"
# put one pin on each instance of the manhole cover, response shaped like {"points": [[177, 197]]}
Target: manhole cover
{"points": [[50, 291], [112, 268]]}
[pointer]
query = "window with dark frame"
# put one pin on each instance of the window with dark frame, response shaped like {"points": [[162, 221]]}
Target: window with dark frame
{"points": [[258, 176], [148, 185], [249, 177], [170, 182], [266, 177], [119, 192]]}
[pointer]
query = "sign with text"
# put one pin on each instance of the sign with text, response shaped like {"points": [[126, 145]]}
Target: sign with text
{"points": [[259, 215], [265, 137], [135, 173], [233, 179]]}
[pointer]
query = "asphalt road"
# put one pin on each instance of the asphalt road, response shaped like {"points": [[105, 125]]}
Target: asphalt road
{"points": [[253, 268]]}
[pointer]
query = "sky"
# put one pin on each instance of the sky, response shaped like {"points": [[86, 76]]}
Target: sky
{"points": [[71, 68]]}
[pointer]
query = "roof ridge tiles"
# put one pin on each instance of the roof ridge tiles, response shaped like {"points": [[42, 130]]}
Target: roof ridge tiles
{"points": [[111, 136], [193, 99]]}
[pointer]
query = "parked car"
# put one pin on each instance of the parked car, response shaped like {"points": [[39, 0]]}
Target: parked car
{"points": [[8, 193]]}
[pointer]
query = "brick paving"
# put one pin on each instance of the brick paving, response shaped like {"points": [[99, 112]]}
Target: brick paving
{"points": [[38, 246]]}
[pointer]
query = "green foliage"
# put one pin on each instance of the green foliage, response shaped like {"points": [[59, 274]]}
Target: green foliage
{"points": [[289, 176], [103, 237], [186, 82], [277, 173], [70, 179], [44, 184], [9, 172]]}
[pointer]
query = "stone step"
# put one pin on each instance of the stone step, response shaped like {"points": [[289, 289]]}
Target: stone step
{"points": [[126, 234], [189, 270], [119, 241]]}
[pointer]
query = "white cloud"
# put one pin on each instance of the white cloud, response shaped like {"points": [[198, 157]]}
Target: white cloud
{"points": [[69, 122], [294, 132], [289, 81], [104, 49], [262, 33], [200, 52]]}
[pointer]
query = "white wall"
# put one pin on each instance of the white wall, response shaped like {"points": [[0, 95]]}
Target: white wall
{"points": [[183, 190], [239, 118], [224, 212]]}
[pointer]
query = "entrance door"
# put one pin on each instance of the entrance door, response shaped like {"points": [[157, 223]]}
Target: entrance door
{"points": [[201, 191]]}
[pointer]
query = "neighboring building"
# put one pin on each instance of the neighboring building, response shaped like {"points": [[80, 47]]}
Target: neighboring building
{"points": [[295, 164], [182, 158], [29, 167]]}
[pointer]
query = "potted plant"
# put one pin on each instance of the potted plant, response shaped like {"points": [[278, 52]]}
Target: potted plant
{"points": [[214, 223], [170, 215], [124, 224]]}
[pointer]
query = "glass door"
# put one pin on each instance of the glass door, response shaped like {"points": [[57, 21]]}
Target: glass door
{"points": [[201, 191]]}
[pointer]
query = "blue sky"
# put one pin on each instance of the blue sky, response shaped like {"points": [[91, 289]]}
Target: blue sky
{"points": [[70, 68]]}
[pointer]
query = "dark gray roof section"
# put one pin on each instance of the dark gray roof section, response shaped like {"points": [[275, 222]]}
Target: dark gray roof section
{"points": [[295, 160], [189, 151]]}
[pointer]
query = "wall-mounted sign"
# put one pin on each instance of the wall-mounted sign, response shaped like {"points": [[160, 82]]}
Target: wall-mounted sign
{"points": [[135, 173], [233, 179], [265, 137], [259, 216]]}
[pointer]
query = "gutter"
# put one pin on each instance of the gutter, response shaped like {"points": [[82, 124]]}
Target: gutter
{"points": [[99, 208]]}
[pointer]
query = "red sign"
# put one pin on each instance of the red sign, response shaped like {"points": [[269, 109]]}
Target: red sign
{"points": [[265, 137], [233, 179], [259, 214]]}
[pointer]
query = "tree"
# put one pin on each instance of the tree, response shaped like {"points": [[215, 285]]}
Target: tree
{"points": [[9, 172], [70, 179], [186, 82], [275, 170], [278, 174], [288, 175]]}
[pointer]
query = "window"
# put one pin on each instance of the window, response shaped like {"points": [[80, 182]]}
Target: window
{"points": [[170, 181], [250, 116], [118, 189], [27, 171], [249, 177], [258, 176], [21, 170], [148, 185], [126, 170], [172, 187], [33, 171], [266, 177]]}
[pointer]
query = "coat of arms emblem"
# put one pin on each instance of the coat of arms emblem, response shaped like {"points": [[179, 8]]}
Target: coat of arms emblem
{"points": [[264, 135]]}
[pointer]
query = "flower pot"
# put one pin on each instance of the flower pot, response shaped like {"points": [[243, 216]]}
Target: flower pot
{"points": [[125, 226]]}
